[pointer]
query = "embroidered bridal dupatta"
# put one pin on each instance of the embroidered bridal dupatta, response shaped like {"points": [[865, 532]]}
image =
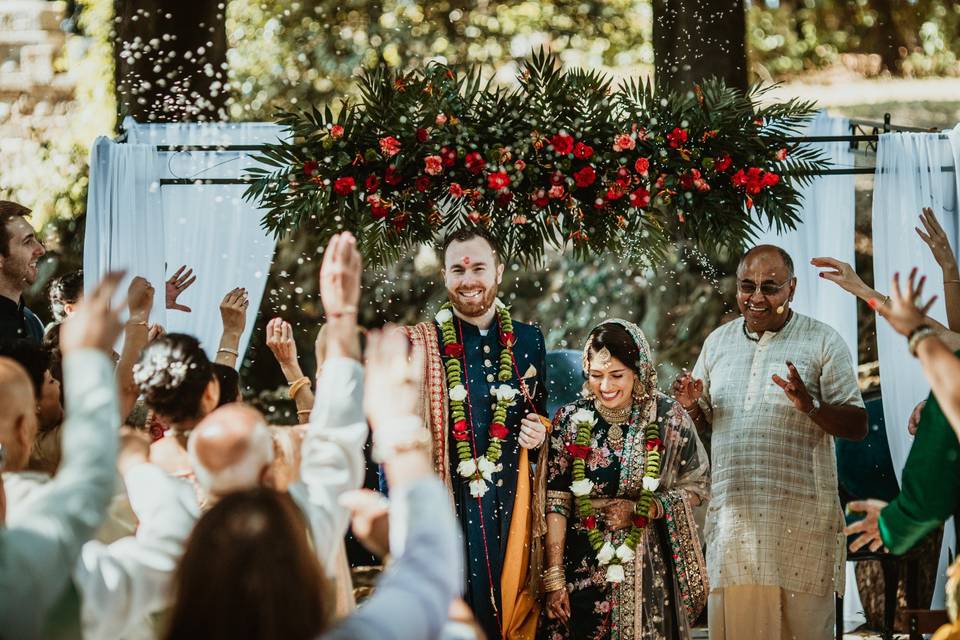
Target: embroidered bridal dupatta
{"points": [[520, 580]]}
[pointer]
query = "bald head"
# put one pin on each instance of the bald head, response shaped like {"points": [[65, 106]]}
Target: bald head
{"points": [[18, 416], [767, 253], [231, 449]]}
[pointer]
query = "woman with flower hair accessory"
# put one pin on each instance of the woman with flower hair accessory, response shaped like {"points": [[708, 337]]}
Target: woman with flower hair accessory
{"points": [[625, 470]]}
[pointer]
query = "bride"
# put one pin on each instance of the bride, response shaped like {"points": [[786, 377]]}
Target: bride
{"points": [[625, 469]]}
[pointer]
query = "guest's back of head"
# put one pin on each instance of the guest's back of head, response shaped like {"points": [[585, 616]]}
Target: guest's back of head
{"points": [[176, 378], [231, 449], [249, 573], [229, 381]]}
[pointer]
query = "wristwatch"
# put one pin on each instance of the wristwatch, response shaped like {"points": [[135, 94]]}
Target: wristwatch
{"points": [[815, 409]]}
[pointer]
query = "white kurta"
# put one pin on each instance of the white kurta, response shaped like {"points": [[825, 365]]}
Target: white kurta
{"points": [[775, 516]]}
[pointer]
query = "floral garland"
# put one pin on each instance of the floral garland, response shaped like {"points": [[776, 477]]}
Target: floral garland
{"points": [[567, 160], [607, 555], [478, 469]]}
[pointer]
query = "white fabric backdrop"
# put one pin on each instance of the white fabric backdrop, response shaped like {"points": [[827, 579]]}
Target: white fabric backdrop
{"points": [[124, 224], [826, 228], [208, 227], [908, 177]]}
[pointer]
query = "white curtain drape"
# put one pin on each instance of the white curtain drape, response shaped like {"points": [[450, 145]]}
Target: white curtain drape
{"points": [[208, 227], [826, 228], [124, 222], [909, 177]]}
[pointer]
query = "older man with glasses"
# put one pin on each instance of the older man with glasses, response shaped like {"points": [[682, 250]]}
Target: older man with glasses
{"points": [[775, 388]]}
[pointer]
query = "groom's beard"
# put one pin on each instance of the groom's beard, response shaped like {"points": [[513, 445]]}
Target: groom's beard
{"points": [[472, 307]]}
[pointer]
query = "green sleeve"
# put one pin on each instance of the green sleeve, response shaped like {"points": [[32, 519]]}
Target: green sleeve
{"points": [[930, 485]]}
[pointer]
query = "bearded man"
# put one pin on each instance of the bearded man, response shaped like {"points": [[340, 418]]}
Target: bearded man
{"points": [[19, 252], [484, 396]]}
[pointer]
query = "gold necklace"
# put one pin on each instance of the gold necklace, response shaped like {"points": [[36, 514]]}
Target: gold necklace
{"points": [[616, 418]]}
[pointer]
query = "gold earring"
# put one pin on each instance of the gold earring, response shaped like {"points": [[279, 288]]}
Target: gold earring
{"points": [[637, 388]]}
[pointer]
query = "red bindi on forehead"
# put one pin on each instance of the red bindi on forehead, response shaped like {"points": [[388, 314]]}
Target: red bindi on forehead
{"points": [[466, 260]]}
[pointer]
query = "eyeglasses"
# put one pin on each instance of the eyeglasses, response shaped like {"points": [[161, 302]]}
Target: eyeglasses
{"points": [[767, 288]]}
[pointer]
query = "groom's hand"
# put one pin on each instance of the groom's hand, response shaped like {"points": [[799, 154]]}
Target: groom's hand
{"points": [[532, 431]]}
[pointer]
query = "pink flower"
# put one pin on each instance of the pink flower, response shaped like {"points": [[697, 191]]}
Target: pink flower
{"points": [[433, 165], [440, 120], [782, 154], [336, 131], [556, 192], [390, 146], [624, 142]]}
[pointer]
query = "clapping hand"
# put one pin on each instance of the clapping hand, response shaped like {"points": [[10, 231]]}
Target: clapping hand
{"points": [[95, 324], [795, 389], [340, 294], [687, 390], [177, 284], [233, 311], [902, 313], [936, 239]]}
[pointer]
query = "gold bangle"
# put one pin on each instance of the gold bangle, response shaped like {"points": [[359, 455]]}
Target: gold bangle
{"points": [[142, 323], [232, 352], [297, 385], [302, 412]]}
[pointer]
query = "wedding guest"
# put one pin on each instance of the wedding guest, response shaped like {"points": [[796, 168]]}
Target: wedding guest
{"points": [[229, 381], [280, 341], [930, 482], [485, 384], [38, 552], [20, 251], [625, 470], [774, 388], [63, 293], [233, 315]]}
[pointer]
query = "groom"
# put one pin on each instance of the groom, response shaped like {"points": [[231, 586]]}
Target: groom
{"points": [[484, 397]]}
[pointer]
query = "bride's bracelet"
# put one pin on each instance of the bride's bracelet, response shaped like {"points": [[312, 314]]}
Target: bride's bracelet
{"points": [[554, 579]]}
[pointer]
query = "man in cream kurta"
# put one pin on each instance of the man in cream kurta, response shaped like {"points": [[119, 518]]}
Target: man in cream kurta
{"points": [[774, 387]]}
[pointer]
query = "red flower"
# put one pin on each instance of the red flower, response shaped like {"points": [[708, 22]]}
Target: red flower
{"points": [[754, 179], [556, 192], [460, 435], [422, 183], [498, 180], [310, 167], [390, 146], [449, 156], [432, 165], [582, 151], [508, 339], [504, 198], [579, 451], [378, 209], [653, 444], [460, 426], [624, 142], [723, 162], [372, 183], [738, 179], [562, 143], [642, 166], [344, 186], [782, 154], [541, 199], [399, 222], [640, 521], [456, 190], [770, 179], [392, 176], [690, 179], [336, 131], [640, 198], [556, 178], [590, 522], [616, 191], [422, 135], [475, 162], [498, 430], [585, 177], [677, 137], [454, 350]]}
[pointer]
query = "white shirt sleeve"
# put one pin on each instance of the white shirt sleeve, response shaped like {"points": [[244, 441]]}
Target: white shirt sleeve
{"points": [[122, 583], [37, 554], [332, 454]]}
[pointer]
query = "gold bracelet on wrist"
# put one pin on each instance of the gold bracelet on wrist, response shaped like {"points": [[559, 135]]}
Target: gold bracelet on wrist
{"points": [[232, 352], [297, 385], [554, 579], [917, 336]]}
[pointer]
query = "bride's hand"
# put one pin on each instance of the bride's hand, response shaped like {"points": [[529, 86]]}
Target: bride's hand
{"points": [[618, 514], [558, 605]]}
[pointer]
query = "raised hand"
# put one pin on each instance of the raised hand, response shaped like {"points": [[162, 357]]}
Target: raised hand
{"points": [[392, 376], [687, 390], [233, 311], [177, 284], [936, 238], [795, 389], [280, 341], [902, 313], [841, 274], [139, 299], [340, 276], [94, 323]]}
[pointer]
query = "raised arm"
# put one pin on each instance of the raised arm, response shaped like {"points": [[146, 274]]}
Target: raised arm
{"points": [[233, 314], [281, 343], [122, 583], [135, 338], [936, 238], [37, 555]]}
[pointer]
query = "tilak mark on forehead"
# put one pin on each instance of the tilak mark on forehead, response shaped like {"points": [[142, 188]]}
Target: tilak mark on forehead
{"points": [[466, 260]]}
